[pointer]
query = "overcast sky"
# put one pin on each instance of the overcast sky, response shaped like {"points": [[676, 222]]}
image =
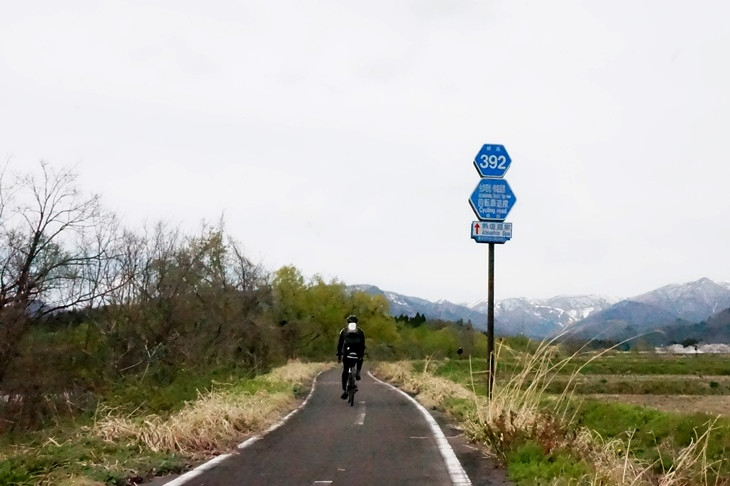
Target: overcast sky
{"points": [[339, 136]]}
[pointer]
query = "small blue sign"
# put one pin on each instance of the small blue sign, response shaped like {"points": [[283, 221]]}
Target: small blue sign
{"points": [[491, 231], [492, 161], [492, 199]]}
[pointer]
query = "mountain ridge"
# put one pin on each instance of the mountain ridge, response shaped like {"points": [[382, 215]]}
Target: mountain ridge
{"points": [[674, 310]]}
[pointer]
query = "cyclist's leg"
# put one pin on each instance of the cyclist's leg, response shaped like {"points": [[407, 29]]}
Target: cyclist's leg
{"points": [[351, 365], [345, 370], [352, 374], [359, 367]]}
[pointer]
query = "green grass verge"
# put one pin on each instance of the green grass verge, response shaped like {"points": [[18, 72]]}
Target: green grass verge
{"points": [[68, 450], [651, 437], [165, 390], [55, 456], [655, 436], [528, 464]]}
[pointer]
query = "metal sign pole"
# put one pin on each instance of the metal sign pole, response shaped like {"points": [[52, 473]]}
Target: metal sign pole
{"points": [[491, 201], [490, 322]]}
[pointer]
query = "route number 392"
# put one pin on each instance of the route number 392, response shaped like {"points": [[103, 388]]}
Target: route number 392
{"points": [[493, 162]]}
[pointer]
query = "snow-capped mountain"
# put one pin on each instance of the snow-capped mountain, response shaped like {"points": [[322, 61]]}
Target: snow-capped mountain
{"points": [[693, 301], [672, 307], [624, 320], [544, 317], [672, 311], [532, 317]]}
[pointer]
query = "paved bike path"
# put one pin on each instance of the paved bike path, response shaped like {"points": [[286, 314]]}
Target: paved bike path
{"points": [[383, 439]]}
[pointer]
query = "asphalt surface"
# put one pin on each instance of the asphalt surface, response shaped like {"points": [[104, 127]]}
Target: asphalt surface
{"points": [[384, 439]]}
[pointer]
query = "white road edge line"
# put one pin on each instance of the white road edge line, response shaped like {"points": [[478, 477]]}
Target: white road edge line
{"points": [[218, 459], [456, 471]]}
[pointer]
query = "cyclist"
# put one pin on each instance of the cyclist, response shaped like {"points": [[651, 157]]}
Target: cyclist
{"points": [[351, 343]]}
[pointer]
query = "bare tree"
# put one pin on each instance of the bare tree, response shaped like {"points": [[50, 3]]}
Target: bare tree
{"points": [[56, 249], [193, 298]]}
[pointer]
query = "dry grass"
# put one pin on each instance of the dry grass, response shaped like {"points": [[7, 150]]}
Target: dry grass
{"points": [[213, 422], [79, 481], [207, 425], [295, 372], [511, 415], [517, 412], [431, 390], [687, 460]]}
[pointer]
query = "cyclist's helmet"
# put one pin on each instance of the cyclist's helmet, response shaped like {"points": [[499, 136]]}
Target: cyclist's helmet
{"points": [[351, 323]]}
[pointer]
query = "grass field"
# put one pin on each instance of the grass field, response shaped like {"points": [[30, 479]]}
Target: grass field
{"points": [[715, 405], [626, 419], [616, 374], [657, 406], [684, 384]]}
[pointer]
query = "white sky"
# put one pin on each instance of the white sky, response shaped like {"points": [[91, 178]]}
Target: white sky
{"points": [[339, 136]]}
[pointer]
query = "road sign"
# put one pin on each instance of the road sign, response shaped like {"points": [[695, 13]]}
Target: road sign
{"points": [[492, 199], [491, 231], [492, 161]]}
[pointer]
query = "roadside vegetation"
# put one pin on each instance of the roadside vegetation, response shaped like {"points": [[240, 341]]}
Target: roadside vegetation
{"points": [[128, 353], [119, 447], [128, 331], [546, 431]]}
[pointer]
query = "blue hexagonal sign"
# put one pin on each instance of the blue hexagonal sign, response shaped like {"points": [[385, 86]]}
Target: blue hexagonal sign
{"points": [[492, 199], [492, 161]]}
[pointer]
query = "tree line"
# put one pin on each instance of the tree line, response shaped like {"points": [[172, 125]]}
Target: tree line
{"points": [[86, 304]]}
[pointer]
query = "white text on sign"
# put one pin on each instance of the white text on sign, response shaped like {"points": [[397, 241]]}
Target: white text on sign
{"points": [[491, 231], [487, 228], [493, 162]]}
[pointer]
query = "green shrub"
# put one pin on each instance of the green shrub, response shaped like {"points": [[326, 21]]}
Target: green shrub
{"points": [[13, 471], [528, 464]]}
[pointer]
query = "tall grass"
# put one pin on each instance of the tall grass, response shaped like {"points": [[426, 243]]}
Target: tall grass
{"points": [[208, 425], [537, 435], [217, 419], [120, 447], [431, 390]]}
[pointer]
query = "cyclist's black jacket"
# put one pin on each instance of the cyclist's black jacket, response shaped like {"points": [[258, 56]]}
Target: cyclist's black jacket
{"points": [[351, 341]]}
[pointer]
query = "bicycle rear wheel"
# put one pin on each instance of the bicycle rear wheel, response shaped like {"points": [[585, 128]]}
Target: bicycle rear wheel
{"points": [[351, 388]]}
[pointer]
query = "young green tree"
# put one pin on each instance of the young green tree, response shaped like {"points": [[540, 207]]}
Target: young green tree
{"points": [[312, 313]]}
